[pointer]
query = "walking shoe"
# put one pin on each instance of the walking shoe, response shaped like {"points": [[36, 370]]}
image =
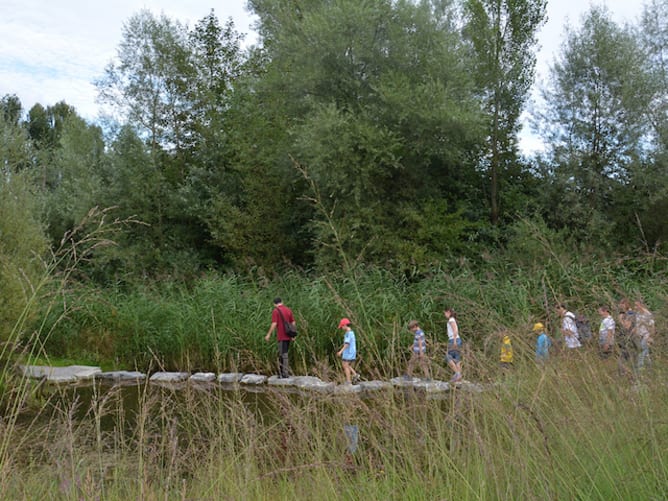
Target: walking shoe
{"points": [[456, 378], [356, 378]]}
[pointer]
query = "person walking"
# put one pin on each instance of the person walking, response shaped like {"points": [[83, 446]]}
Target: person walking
{"points": [[543, 343], [606, 332], [645, 330], [279, 316], [506, 356], [625, 338], [418, 351], [454, 355], [348, 352], [568, 327]]}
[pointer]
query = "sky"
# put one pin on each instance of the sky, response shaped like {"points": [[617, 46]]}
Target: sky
{"points": [[52, 51]]}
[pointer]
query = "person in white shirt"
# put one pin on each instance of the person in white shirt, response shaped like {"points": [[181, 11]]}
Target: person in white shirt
{"points": [[606, 332], [568, 327]]}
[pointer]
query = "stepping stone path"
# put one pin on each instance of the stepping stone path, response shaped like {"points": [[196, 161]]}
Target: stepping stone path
{"points": [[80, 373]]}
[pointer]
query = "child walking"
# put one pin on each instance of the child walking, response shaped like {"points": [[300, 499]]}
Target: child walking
{"points": [[542, 343], [506, 357], [418, 351], [348, 352], [454, 357]]}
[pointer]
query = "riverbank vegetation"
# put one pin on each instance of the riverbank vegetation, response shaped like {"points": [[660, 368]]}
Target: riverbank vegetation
{"points": [[573, 430]]}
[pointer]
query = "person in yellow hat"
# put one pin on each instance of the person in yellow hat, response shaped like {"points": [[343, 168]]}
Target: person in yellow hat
{"points": [[543, 343], [506, 352]]}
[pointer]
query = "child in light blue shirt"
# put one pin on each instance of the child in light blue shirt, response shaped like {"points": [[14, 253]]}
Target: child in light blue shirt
{"points": [[348, 352]]}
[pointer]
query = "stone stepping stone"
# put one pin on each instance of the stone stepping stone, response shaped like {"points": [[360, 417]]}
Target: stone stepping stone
{"points": [[69, 374], [230, 377], [255, 379], [313, 383], [202, 377], [404, 382], [433, 386], [347, 388], [122, 376], [169, 377], [375, 385], [281, 381]]}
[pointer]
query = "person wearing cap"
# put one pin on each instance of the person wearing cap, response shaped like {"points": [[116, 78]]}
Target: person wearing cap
{"points": [[506, 357], [348, 352], [279, 316], [569, 328], [543, 343]]}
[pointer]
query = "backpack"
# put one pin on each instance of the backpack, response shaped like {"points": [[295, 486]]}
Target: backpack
{"points": [[584, 329]]}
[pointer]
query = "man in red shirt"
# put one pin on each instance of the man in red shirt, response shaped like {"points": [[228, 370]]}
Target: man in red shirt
{"points": [[280, 315]]}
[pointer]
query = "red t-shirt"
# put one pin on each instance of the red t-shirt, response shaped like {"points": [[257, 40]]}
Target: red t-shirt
{"points": [[276, 317]]}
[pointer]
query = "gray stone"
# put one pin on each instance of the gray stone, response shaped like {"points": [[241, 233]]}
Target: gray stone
{"points": [[69, 374], [203, 377], [230, 377], [433, 386], [253, 379], [281, 381], [404, 382], [169, 377], [375, 385], [348, 388], [120, 376], [313, 383]]}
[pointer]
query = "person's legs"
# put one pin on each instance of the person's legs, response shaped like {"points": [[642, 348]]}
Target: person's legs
{"points": [[283, 360], [424, 364], [347, 371], [411, 365]]}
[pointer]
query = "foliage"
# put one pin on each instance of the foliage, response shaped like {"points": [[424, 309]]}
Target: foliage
{"points": [[502, 34], [23, 248]]}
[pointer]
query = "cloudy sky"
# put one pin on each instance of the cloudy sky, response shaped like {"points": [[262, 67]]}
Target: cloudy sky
{"points": [[53, 50]]}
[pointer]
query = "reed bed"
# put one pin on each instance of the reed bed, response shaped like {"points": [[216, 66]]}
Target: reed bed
{"points": [[575, 429]]}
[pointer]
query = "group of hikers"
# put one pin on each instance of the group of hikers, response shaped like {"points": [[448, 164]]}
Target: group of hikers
{"points": [[630, 337]]}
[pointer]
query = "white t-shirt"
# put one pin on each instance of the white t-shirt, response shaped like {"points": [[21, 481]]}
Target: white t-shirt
{"points": [[568, 324], [452, 325], [607, 324]]}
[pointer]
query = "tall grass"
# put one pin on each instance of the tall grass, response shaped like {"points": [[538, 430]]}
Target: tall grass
{"points": [[574, 430], [219, 322]]}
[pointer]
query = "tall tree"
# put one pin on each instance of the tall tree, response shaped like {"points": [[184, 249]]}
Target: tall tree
{"points": [[594, 122], [147, 84], [502, 34], [380, 115]]}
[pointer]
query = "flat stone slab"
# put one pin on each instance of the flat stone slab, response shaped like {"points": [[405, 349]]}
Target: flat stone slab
{"points": [[169, 377], [404, 382], [121, 376], [375, 385], [253, 379], [281, 381], [69, 374], [202, 377], [347, 388], [433, 386], [230, 377], [313, 383]]}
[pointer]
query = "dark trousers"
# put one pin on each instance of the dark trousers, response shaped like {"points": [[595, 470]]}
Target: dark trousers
{"points": [[283, 363]]}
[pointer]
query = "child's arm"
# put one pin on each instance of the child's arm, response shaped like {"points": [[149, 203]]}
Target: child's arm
{"points": [[340, 352]]}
